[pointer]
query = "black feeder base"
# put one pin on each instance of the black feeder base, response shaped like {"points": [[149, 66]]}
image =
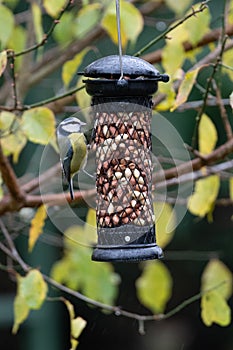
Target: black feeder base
{"points": [[132, 244], [127, 254]]}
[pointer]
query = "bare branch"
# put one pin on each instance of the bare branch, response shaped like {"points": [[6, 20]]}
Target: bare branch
{"points": [[10, 180], [223, 112]]}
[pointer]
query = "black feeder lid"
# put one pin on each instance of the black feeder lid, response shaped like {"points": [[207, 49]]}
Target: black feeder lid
{"points": [[140, 78]]}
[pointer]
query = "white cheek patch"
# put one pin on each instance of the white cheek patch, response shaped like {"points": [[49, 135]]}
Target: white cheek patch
{"points": [[71, 127]]}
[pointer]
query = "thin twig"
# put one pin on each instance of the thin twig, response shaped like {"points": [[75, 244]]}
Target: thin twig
{"points": [[14, 253], [207, 90], [223, 111], [12, 66], [163, 35], [46, 35], [118, 311]]}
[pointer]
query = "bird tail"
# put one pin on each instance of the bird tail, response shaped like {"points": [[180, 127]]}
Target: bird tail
{"points": [[71, 189]]}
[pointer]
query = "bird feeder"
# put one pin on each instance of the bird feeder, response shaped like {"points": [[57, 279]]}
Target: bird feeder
{"points": [[121, 106]]}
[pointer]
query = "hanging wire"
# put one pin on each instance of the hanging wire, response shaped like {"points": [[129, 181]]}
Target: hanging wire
{"points": [[119, 36]]}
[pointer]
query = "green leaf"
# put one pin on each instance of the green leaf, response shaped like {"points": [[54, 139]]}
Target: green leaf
{"points": [[77, 271], [186, 87], [201, 202], [37, 225], [39, 124], [207, 135], [53, 7], [178, 6], [6, 25], [165, 220], [197, 26], [214, 309], [70, 67], [217, 274], [87, 18], [37, 21], [3, 62], [11, 3], [33, 289], [63, 32], [154, 286], [131, 22]]}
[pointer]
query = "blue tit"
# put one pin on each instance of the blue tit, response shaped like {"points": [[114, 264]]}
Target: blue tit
{"points": [[72, 145]]}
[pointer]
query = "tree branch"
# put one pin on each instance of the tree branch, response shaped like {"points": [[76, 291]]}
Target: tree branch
{"points": [[201, 8], [212, 36], [10, 180]]}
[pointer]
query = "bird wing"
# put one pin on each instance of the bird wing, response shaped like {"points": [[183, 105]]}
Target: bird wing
{"points": [[66, 164]]}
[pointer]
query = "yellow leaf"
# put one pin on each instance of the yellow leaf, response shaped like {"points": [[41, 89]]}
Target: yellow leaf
{"points": [[216, 274], [33, 289], [17, 42], [165, 219], [70, 67], [31, 293], [227, 60], [53, 7], [13, 139], [37, 20], [90, 228], [178, 6], [6, 25], [37, 225], [154, 286], [173, 56], [39, 124], [77, 325], [168, 90], [214, 309], [231, 187], [82, 97], [207, 135], [3, 61], [21, 312], [197, 26], [202, 200], [230, 12], [131, 22], [186, 87]]}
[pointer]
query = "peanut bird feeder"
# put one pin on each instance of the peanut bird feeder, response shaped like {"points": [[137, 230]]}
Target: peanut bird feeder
{"points": [[121, 106]]}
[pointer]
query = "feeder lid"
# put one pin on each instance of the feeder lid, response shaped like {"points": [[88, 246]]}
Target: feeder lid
{"points": [[133, 67]]}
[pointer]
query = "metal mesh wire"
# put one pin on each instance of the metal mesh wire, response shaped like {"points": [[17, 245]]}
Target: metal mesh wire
{"points": [[122, 139]]}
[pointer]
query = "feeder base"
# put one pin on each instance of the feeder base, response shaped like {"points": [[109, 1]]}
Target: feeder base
{"points": [[127, 254]]}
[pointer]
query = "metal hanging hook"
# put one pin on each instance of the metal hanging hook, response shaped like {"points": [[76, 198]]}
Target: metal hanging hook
{"points": [[119, 37]]}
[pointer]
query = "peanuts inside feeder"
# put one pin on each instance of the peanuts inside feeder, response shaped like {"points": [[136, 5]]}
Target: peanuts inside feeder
{"points": [[122, 141]]}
